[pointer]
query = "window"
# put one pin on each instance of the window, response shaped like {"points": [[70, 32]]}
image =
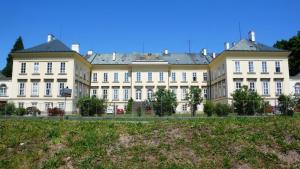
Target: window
{"points": [[126, 94], [94, 92], [115, 94], [277, 67], [35, 89], [23, 67], [238, 85], [173, 90], [138, 76], [278, 86], [184, 107], [149, 94], [264, 67], [237, 67], [104, 94], [36, 67], [49, 67], [62, 67], [116, 77], [297, 89], [34, 104], [205, 77], [48, 89], [61, 87], [61, 105], [149, 76], [21, 105], [184, 76], [252, 86], [94, 77], [205, 93], [250, 67], [138, 95], [126, 77], [194, 76], [105, 77], [173, 75], [48, 105], [21, 89], [3, 90], [161, 76], [265, 87], [183, 93]]}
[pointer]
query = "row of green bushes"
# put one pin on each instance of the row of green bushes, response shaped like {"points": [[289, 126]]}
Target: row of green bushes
{"points": [[10, 109], [219, 109]]}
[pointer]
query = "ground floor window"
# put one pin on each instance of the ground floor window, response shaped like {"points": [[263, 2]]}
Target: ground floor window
{"points": [[184, 107], [61, 105], [48, 105], [34, 104], [21, 105]]}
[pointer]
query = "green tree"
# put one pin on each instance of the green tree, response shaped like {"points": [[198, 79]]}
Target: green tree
{"points": [[286, 104], [209, 108], [129, 106], [293, 45], [89, 106], [194, 98], [7, 70], [247, 102], [164, 102]]}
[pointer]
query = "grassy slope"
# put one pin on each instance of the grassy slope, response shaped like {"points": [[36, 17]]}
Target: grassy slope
{"points": [[271, 142]]}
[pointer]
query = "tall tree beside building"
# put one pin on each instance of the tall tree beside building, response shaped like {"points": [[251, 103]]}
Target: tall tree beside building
{"points": [[293, 45], [7, 70]]}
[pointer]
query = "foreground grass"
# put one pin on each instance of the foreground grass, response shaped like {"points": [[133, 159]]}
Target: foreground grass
{"points": [[265, 142]]}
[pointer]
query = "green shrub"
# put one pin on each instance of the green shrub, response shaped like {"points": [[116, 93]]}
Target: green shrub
{"points": [[164, 102], [139, 111], [33, 111], [286, 104], [222, 109], [129, 106], [209, 108], [89, 106], [20, 111], [9, 109]]}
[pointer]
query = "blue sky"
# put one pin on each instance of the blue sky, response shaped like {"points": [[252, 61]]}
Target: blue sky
{"points": [[124, 26]]}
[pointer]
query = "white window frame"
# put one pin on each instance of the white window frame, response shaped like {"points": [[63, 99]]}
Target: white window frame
{"points": [[61, 105], [194, 75], [48, 91], [23, 67], [238, 85], [126, 94], [264, 66], [105, 77], [265, 88], [277, 65], [138, 95], [3, 90], [62, 67], [138, 76], [105, 94], [149, 76], [250, 86], [184, 76], [35, 89], [205, 76], [150, 94], [297, 89], [95, 77], [237, 66], [21, 89], [278, 87], [36, 66], [251, 66], [161, 76], [184, 93], [126, 77], [61, 86], [173, 75], [49, 67], [94, 92], [115, 94], [116, 77]]}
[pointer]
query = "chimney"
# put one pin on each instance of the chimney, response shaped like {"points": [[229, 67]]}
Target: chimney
{"points": [[226, 45], [204, 51], [89, 52], [166, 52], [114, 56], [50, 38], [214, 54], [251, 35], [75, 47]]}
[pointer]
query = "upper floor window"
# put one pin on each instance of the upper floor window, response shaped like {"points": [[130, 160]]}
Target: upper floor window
{"points": [[265, 88], [205, 93], [238, 85], [3, 90], [250, 66], [94, 92], [115, 94], [104, 94], [126, 77], [62, 67], [49, 67], [21, 89], [237, 66], [35, 89], [278, 88], [116, 77], [264, 67], [36, 67], [149, 94], [205, 77], [277, 66], [161, 76], [23, 67], [48, 89], [138, 95], [94, 77], [173, 75], [297, 89], [61, 87], [184, 76], [105, 77], [138, 76], [252, 86], [149, 76], [194, 76], [126, 94]]}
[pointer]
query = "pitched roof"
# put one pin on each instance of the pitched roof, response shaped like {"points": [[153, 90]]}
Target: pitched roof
{"points": [[52, 46], [247, 45], [2, 77], [128, 58]]}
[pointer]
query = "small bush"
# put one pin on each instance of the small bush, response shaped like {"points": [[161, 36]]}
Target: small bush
{"points": [[89, 106], [129, 106], [209, 108], [286, 104], [55, 112], [33, 111], [9, 109], [20, 111], [139, 111], [222, 109]]}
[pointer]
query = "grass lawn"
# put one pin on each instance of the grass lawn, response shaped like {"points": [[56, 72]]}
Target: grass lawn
{"points": [[233, 142]]}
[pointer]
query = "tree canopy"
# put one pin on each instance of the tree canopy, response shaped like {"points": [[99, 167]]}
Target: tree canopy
{"points": [[293, 45], [195, 99], [164, 102], [7, 70]]}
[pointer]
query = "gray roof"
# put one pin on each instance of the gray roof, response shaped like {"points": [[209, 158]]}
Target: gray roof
{"points": [[2, 77], [247, 45], [171, 58], [52, 46]]}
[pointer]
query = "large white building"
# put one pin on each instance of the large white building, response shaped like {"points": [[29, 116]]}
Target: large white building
{"points": [[40, 72]]}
